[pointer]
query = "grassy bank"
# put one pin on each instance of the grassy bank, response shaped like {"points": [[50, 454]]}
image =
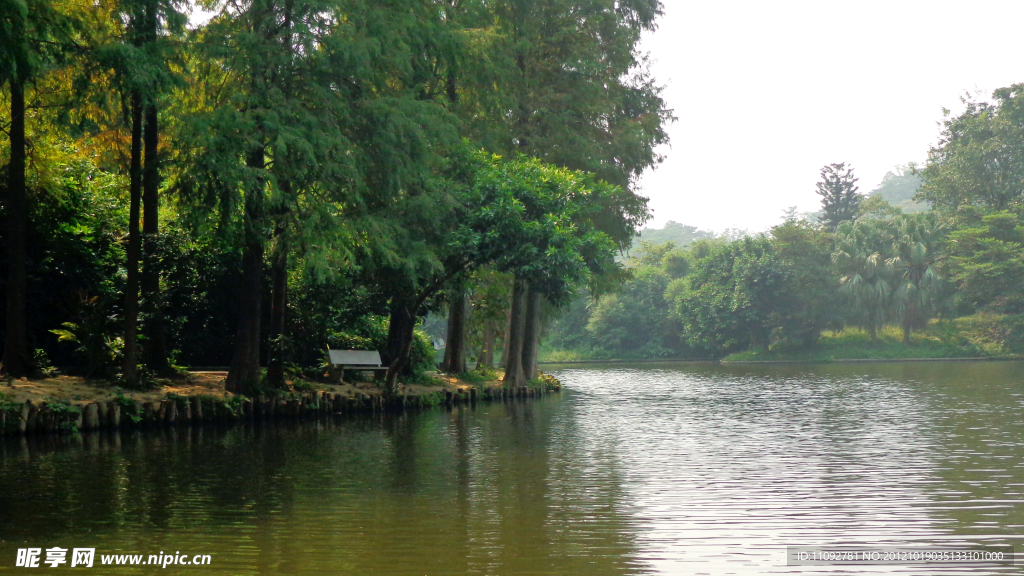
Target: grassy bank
{"points": [[976, 336], [938, 340], [62, 404], [78, 390]]}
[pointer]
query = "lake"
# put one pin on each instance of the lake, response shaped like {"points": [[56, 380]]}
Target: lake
{"points": [[632, 469]]}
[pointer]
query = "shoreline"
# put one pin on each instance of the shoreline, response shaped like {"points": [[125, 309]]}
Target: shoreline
{"points": [[68, 405], [830, 361]]}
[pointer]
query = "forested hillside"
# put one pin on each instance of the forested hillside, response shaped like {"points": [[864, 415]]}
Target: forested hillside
{"points": [[877, 276]]}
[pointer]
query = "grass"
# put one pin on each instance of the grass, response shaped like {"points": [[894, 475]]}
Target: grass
{"points": [[478, 376], [562, 356], [938, 340]]}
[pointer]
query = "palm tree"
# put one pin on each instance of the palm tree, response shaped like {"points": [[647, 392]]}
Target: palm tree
{"points": [[859, 257], [915, 249]]}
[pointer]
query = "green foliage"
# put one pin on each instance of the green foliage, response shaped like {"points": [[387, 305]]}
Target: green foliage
{"points": [[858, 344], [99, 346], [805, 252], [916, 248], [862, 248], [548, 225], [649, 254], [130, 409], [371, 333], [43, 366], [987, 263], [300, 385], [838, 190], [676, 264], [12, 411], [636, 320], [546, 382], [976, 164], [734, 295], [996, 334], [145, 380], [65, 413], [478, 376]]}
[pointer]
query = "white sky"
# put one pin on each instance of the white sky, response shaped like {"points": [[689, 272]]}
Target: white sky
{"points": [[766, 93]]}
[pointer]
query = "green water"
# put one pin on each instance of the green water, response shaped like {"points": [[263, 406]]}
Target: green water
{"points": [[633, 469]]}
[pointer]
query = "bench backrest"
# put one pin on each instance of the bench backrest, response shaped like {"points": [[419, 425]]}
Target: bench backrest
{"points": [[355, 357]]}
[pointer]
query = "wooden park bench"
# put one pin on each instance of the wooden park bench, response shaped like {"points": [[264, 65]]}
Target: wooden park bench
{"points": [[356, 360]]}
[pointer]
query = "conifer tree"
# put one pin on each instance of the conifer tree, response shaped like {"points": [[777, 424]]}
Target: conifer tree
{"points": [[32, 40], [838, 190]]}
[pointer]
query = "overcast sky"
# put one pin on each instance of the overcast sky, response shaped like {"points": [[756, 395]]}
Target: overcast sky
{"points": [[766, 93]]}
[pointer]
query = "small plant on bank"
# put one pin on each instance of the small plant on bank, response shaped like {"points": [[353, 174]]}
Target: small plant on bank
{"points": [[12, 410], [129, 407], [481, 374], [546, 382], [301, 385], [43, 367], [66, 414], [233, 404], [146, 380], [175, 369]]}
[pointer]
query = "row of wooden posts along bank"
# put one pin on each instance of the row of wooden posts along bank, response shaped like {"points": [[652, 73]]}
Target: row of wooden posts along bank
{"points": [[126, 413]]}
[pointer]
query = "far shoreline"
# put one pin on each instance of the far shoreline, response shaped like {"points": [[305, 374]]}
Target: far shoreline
{"points": [[794, 361]]}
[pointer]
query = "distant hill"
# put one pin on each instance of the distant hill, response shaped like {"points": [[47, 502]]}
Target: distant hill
{"points": [[898, 188], [681, 234]]}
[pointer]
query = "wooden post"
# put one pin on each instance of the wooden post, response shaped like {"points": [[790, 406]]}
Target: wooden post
{"points": [[115, 415], [170, 410], [149, 413], [90, 421], [26, 411], [47, 420]]}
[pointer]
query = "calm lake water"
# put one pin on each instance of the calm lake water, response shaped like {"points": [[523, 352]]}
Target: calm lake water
{"points": [[633, 469]]}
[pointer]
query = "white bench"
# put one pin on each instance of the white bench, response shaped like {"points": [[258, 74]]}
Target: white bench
{"points": [[358, 360]]}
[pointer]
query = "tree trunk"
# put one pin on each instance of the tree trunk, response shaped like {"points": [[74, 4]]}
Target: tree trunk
{"points": [[486, 359], [156, 343], [505, 336], [279, 302], [244, 374], [873, 331], [400, 336], [131, 291], [906, 333], [455, 343], [17, 360], [531, 334], [514, 376]]}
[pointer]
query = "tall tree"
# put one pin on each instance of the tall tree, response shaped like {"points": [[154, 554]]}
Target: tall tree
{"points": [[158, 17], [455, 340], [572, 88], [32, 38], [16, 69], [319, 122], [838, 190], [979, 160], [916, 249], [987, 263], [860, 255]]}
